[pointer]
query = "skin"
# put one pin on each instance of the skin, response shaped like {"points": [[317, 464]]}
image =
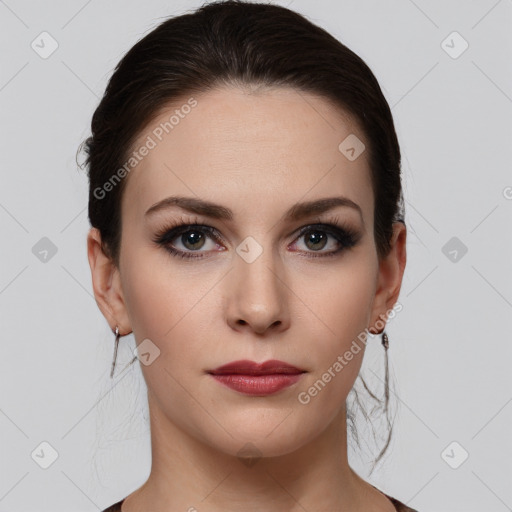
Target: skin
{"points": [[257, 152]]}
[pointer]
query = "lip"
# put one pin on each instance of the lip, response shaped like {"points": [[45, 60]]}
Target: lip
{"points": [[246, 367], [257, 379]]}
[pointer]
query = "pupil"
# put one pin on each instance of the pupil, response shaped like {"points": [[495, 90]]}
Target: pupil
{"points": [[318, 238], [191, 238]]}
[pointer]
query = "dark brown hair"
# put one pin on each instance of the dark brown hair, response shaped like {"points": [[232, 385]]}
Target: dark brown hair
{"points": [[238, 43]]}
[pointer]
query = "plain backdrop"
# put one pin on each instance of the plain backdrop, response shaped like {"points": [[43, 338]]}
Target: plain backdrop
{"points": [[445, 69]]}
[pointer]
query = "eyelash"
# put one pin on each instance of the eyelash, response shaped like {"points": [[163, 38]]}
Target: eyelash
{"points": [[346, 236]]}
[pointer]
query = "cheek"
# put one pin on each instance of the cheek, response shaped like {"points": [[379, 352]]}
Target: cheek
{"points": [[340, 307], [338, 315], [349, 304], [166, 309], [166, 303]]}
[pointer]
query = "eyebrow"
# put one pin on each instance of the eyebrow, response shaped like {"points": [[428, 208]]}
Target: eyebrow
{"points": [[296, 212]]}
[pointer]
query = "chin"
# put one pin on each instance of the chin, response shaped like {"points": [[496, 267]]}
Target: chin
{"points": [[255, 438]]}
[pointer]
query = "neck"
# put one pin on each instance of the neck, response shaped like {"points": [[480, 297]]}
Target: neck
{"points": [[188, 474]]}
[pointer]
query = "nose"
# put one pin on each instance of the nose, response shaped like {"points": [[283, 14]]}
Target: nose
{"points": [[258, 295]]}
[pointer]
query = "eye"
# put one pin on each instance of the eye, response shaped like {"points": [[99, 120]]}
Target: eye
{"points": [[319, 236], [186, 239], [191, 240]]}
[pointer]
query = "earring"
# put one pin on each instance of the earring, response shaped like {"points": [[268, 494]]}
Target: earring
{"points": [[116, 344], [385, 340]]}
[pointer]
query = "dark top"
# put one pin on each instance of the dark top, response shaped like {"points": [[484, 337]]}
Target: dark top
{"points": [[400, 507]]}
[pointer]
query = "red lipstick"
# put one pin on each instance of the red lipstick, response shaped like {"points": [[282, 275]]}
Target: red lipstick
{"points": [[257, 379]]}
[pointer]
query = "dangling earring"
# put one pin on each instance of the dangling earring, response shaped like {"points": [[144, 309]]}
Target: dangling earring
{"points": [[116, 344], [385, 340]]}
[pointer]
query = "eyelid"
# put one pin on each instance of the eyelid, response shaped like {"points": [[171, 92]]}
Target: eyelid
{"points": [[190, 219], [346, 235]]}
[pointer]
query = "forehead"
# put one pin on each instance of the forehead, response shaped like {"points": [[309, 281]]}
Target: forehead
{"points": [[251, 150]]}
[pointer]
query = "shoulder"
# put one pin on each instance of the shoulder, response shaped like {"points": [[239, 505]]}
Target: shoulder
{"points": [[116, 507], [400, 507]]}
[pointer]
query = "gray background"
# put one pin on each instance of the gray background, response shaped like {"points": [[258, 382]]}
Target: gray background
{"points": [[450, 349]]}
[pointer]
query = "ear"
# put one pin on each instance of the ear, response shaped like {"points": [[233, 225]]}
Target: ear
{"points": [[106, 284], [389, 280]]}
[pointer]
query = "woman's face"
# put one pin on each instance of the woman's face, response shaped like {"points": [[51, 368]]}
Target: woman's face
{"points": [[250, 286]]}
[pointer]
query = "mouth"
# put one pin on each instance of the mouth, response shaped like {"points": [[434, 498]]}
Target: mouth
{"points": [[257, 379]]}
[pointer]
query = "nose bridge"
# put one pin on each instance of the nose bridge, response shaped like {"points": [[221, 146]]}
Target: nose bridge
{"points": [[259, 297]]}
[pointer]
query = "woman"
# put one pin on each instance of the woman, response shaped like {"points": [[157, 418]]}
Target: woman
{"points": [[247, 227]]}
